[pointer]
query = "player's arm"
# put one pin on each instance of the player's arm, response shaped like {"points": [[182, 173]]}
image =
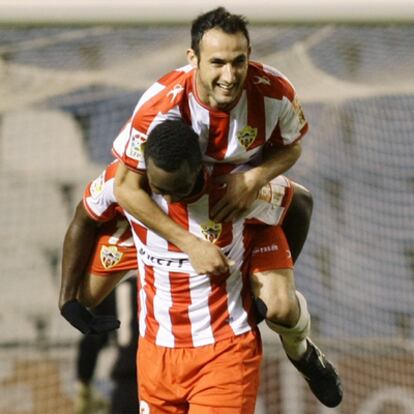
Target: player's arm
{"points": [[77, 248], [132, 194], [242, 188]]}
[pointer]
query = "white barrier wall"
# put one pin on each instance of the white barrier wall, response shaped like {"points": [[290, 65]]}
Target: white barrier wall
{"points": [[167, 11]]}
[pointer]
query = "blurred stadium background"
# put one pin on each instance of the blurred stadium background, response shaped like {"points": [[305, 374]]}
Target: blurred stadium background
{"points": [[69, 78]]}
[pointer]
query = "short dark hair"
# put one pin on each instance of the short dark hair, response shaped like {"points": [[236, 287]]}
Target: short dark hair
{"points": [[171, 143], [220, 18]]}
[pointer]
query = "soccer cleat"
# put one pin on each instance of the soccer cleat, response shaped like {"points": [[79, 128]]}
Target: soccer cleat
{"points": [[321, 376]]}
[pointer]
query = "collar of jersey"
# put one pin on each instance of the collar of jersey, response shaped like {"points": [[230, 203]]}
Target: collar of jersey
{"points": [[208, 107]]}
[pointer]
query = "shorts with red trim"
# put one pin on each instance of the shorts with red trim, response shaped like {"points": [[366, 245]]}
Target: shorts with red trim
{"points": [[218, 378], [114, 249]]}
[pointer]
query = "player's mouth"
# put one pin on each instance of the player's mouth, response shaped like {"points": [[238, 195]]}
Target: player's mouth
{"points": [[227, 88]]}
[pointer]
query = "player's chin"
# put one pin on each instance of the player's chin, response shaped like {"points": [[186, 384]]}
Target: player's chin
{"points": [[225, 99]]}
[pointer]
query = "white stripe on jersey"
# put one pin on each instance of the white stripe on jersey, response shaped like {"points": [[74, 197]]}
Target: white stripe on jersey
{"points": [[121, 141], [162, 305], [237, 315], [186, 68], [238, 119], [200, 289], [200, 121], [148, 94], [142, 302], [173, 114], [290, 123], [101, 197], [198, 214], [272, 106]]}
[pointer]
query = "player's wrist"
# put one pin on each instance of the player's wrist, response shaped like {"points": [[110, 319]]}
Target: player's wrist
{"points": [[77, 315], [256, 178], [187, 242]]}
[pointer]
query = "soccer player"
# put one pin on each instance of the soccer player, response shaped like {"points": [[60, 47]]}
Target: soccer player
{"points": [[246, 114], [199, 347]]}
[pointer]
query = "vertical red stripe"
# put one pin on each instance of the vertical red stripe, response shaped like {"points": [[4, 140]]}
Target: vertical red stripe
{"points": [[218, 135], [138, 287], [178, 212], [247, 297], [226, 235], [184, 106], [152, 325], [140, 231], [256, 115], [181, 300], [276, 137], [218, 306]]}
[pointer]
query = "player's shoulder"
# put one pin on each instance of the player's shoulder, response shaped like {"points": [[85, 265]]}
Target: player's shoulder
{"points": [[269, 81], [180, 75], [168, 90]]}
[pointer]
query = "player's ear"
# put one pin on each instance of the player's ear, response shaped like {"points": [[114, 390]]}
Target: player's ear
{"points": [[192, 57]]}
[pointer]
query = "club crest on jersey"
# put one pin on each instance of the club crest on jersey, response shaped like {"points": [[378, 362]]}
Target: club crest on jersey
{"points": [[135, 147], [297, 107], [211, 231], [246, 136], [97, 186], [110, 256]]}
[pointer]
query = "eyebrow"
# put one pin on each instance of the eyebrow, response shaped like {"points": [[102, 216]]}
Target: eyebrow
{"points": [[220, 60]]}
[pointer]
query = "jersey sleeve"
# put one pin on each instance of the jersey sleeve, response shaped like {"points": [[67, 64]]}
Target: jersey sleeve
{"points": [[286, 111], [272, 202], [162, 101], [99, 198], [291, 125]]}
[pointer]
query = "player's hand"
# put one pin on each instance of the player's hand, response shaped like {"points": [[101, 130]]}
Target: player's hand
{"points": [[207, 258], [83, 320], [241, 191]]}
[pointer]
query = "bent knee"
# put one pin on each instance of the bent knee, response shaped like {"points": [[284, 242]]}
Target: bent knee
{"points": [[283, 309]]}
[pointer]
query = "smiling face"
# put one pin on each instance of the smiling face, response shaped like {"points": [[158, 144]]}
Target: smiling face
{"points": [[221, 67], [173, 186]]}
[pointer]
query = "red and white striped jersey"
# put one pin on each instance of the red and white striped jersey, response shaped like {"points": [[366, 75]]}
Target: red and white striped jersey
{"points": [[98, 197], [268, 111], [178, 307], [114, 249]]}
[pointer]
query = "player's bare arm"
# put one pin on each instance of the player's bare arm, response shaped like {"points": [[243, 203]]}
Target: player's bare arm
{"points": [[242, 188], [77, 248], [132, 194]]}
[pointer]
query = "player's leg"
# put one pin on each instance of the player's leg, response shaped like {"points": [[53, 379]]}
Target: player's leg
{"points": [[159, 371], [281, 305], [226, 376], [273, 286], [297, 219], [286, 312]]}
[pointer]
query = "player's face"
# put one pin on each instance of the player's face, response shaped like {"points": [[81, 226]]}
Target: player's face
{"points": [[173, 186], [221, 67]]}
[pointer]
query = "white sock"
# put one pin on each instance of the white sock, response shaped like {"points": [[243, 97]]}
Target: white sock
{"points": [[294, 339]]}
